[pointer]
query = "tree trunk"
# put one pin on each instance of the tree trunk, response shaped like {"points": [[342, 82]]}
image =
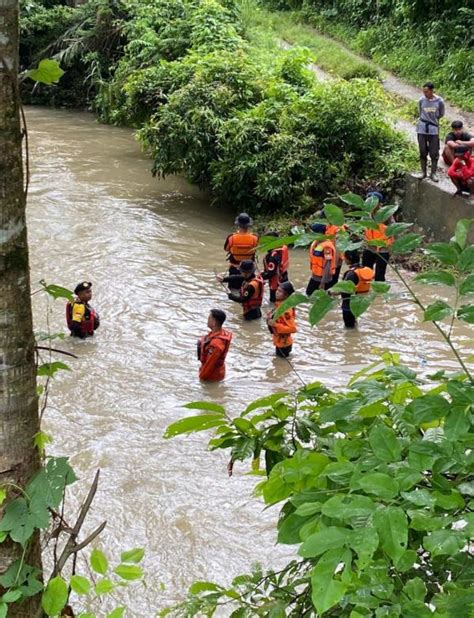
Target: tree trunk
{"points": [[18, 399]]}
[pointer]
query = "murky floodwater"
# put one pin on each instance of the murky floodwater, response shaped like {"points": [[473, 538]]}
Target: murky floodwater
{"points": [[150, 247]]}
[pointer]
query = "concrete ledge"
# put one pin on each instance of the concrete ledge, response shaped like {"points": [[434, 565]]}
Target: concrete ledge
{"points": [[434, 208]]}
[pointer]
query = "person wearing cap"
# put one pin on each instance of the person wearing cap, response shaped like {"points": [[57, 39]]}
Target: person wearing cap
{"points": [[82, 320], [241, 245], [323, 261], [284, 326], [212, 348], [275, 267], [361, 277], [250, 285], [377, 256], [461, 171], [456, 137], [431, 110]]}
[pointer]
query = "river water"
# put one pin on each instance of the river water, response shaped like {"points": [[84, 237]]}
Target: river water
{"points": [[150, 247]]}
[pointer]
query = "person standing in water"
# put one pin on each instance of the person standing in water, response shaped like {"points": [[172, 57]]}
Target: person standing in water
{"points": [[81, 318], [241, 245], [212, 348], [283, 327]]}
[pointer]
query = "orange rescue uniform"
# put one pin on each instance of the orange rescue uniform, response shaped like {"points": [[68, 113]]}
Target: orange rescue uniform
{"points": [[283, 328], [212, 352], [379, 235], [241, 246]]}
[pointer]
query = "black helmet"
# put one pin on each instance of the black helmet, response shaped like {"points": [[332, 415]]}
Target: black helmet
{"points": [[287, 286], [243, 220], [247, 266]]}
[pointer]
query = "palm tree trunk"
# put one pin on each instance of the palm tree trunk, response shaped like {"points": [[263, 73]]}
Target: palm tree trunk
{"points": [[18, 399]]}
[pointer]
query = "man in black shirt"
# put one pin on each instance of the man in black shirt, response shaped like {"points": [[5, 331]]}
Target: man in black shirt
{"points": [[250, 285], [455, 138]]}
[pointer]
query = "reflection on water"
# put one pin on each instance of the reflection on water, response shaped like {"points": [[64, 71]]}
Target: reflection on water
{"points": [[150, 247]]}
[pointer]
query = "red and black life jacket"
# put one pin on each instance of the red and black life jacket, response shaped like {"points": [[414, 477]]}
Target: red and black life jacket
{"points": [[256, 299], [279, 274], [206, 341], [89, 321]]}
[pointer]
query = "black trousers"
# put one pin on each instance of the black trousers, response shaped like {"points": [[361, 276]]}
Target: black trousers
{"points": [[313, 285], [349, 318], [253, 314], [376, 260], [283, 352], [233, 270], [428, 145]]}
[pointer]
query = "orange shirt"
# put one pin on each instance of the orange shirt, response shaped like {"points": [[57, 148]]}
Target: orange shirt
{"points": [[213, 351]]}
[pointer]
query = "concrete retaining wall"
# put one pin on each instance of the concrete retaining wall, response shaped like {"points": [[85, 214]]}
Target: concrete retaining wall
{"points": [[434, 208]]}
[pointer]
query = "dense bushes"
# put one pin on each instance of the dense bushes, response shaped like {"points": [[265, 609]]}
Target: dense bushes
{"points": [[419, 39], [254, 127]]}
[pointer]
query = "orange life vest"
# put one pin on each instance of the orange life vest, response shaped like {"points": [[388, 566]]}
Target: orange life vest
{"points": [[283, 328], [204, 345], [379, 235], [282, 270], [257, 297], [241, 246], [317, 257], [365, 276], [89, 322]]}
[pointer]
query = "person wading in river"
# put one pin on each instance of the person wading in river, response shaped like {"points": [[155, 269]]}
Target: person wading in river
{"points": [[240, 245], [377, 257], [212, 348], [283, 327], [81, 319], [323, 262], [250, 294], [275, 267], [361, 277], [431, 110]]}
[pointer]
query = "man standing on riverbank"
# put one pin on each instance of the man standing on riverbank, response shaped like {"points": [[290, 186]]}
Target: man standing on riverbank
{"points": [[431, 110], [212, 348]]}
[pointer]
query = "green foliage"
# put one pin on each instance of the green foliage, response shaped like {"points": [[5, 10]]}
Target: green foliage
{"points": [[254, 127], [414, 39]]}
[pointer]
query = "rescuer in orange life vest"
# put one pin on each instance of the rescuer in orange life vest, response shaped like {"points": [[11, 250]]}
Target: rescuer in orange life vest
{"points": [[275, 267], [283, 327], [212, 348], [250, 294], [323, 261], [361, 277], [377, 257], [240, 245], [81, 319]]}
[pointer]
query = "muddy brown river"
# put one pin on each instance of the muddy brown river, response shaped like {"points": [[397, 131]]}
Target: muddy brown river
{"points": [[150, 247]]}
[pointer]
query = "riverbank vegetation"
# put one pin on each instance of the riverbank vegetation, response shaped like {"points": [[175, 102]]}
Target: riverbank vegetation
{"points": [[418, 40], [217, 102]]}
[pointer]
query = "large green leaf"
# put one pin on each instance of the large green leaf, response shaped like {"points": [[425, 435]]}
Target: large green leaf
{"points": [[292, 301], [379, 484], [364, 542], [99, 562], [327, 591], [456, 424], [462, 231], [134, 555], [347, 287], [395, 229], [348, 507], [80, 584], [385, 444], [355, 200], [334, 214], [48, 72], [466, 259], [443, 542], [437, 311], [359, 303], [129, 572], [392, 527], [428, 408], [340, 410], [326, 538], [380, 287], [384, 213], [407, 243], [436, 277], [444, 252], [466, 313], [55, 596], [322, 303], [193, 423], [467, 285], [205, 405], [266, 243]]}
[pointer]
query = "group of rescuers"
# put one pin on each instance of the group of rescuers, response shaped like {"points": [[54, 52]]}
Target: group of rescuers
{"points": [[246, 286]]}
